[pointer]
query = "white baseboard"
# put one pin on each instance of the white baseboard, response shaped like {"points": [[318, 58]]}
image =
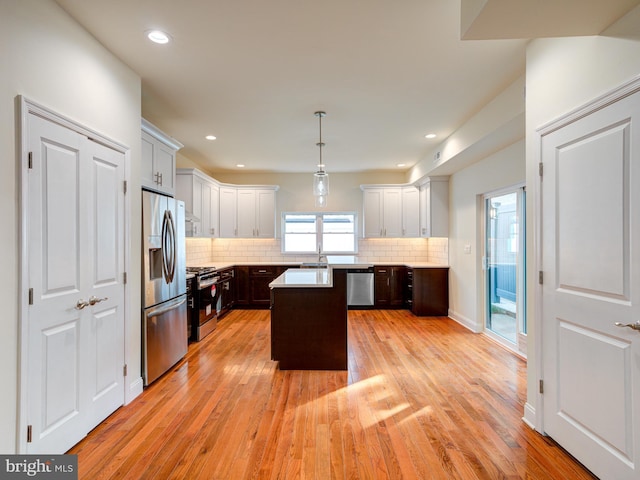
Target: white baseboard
{"points": [[465, 322], [135, 389], [529, 415]]}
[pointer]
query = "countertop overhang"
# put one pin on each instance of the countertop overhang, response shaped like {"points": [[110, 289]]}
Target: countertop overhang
{"points": [[304, 278]]}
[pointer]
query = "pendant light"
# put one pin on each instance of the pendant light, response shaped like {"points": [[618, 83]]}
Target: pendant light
{"points": [[320, 178]]}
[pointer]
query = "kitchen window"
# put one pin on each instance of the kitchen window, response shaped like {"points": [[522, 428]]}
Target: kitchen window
{"points": [[333, 233]]}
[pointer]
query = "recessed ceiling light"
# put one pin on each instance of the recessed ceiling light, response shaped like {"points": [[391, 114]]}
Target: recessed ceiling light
{"points": [[210, 137], [158, 36], [240, 165], [430, 135], [401, 164]]}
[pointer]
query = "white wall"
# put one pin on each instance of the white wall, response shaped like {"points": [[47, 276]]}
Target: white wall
{"points": [[495, 126], [503, 169], [48, 58], [562, 75]]}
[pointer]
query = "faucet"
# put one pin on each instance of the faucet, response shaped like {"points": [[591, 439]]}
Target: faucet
{"points": [[321, 258]]}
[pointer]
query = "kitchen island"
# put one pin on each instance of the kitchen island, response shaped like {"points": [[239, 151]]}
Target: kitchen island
{"points": [[309, 319]]}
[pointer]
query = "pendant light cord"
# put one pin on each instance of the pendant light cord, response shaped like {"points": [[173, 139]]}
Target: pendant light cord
{"points": [[320, 114]]}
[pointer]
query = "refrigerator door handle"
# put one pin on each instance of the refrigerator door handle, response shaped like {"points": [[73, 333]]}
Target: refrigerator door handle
{"points": [[161, 311], [174, 246], [168, 247]]}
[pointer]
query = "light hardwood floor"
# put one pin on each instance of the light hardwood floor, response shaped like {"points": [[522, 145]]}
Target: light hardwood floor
{"points": [[423, 398]]}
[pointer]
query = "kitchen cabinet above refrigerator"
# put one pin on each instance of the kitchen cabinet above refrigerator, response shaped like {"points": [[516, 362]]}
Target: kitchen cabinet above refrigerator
{"points": [[158, 163]]}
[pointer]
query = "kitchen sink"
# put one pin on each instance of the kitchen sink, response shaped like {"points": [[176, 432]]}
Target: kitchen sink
{"points": [[314, 265]]}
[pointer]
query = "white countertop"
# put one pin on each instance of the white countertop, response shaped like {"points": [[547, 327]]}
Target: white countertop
{"points": [[304, 278], [334, 262]]}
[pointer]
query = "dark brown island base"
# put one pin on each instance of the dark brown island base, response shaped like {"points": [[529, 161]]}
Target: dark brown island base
{"points": [[309, 319]]}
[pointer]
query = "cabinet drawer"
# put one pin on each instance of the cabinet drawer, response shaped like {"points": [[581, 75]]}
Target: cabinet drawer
{"points": [[261, 271]]}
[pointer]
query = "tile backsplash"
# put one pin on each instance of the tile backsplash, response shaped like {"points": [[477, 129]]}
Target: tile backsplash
{"points": [[383, 250]]}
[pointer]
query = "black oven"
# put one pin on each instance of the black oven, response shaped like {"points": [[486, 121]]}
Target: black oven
{"points": [[206, 292], [225, 292], [191, 280]]}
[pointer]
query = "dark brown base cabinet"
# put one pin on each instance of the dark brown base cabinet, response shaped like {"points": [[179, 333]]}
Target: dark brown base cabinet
{"points": [[252, 284], [424, 291], [430, 287], [309, 326], [389, 286]]}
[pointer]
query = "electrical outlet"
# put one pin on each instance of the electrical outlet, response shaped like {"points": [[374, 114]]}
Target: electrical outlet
{"points": [[467, 248]]}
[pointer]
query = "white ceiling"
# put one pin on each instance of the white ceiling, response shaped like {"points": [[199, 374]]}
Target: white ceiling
{"points": [[253, 72]]}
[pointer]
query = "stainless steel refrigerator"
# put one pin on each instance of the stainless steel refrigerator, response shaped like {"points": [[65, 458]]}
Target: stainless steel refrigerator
{"points": [[164, 288]]}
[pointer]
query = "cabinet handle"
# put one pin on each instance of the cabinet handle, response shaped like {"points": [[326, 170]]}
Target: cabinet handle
{"points": [[381, 232]]}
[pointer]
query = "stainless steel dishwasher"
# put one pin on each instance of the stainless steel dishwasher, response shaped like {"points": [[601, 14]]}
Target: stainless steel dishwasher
{"points": [[360, 287]]}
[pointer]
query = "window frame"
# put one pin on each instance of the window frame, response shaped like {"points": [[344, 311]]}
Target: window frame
{"points": [[319, 223]]}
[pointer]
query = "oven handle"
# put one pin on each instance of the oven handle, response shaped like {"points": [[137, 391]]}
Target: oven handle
{"points": [[208, 283], [163, 310]]}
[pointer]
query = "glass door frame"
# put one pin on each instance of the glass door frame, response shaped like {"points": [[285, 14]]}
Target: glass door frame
{"points": [[519, 346]]}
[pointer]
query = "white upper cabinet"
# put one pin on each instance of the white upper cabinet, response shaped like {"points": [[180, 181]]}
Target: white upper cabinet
{"points": [[434, 207], [228, 212], [201, 197], [410, 211], [158, 166], [390, 211], [248, 212]]}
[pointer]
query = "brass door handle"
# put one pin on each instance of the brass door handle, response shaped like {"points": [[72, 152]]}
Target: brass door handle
{"points": [[634, 326], [80, 304], [93, 300]]}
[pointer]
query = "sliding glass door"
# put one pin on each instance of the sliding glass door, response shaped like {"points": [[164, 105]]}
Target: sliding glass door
{"points": [[504, 262]]}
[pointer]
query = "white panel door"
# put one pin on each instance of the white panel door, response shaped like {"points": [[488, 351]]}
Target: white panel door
{"points": [[75, 259], [105, 235], [591, 267]]}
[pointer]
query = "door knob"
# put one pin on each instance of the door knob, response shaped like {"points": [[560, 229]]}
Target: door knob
{"points": [[93, 300], [80, 304], [635, 326]]}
